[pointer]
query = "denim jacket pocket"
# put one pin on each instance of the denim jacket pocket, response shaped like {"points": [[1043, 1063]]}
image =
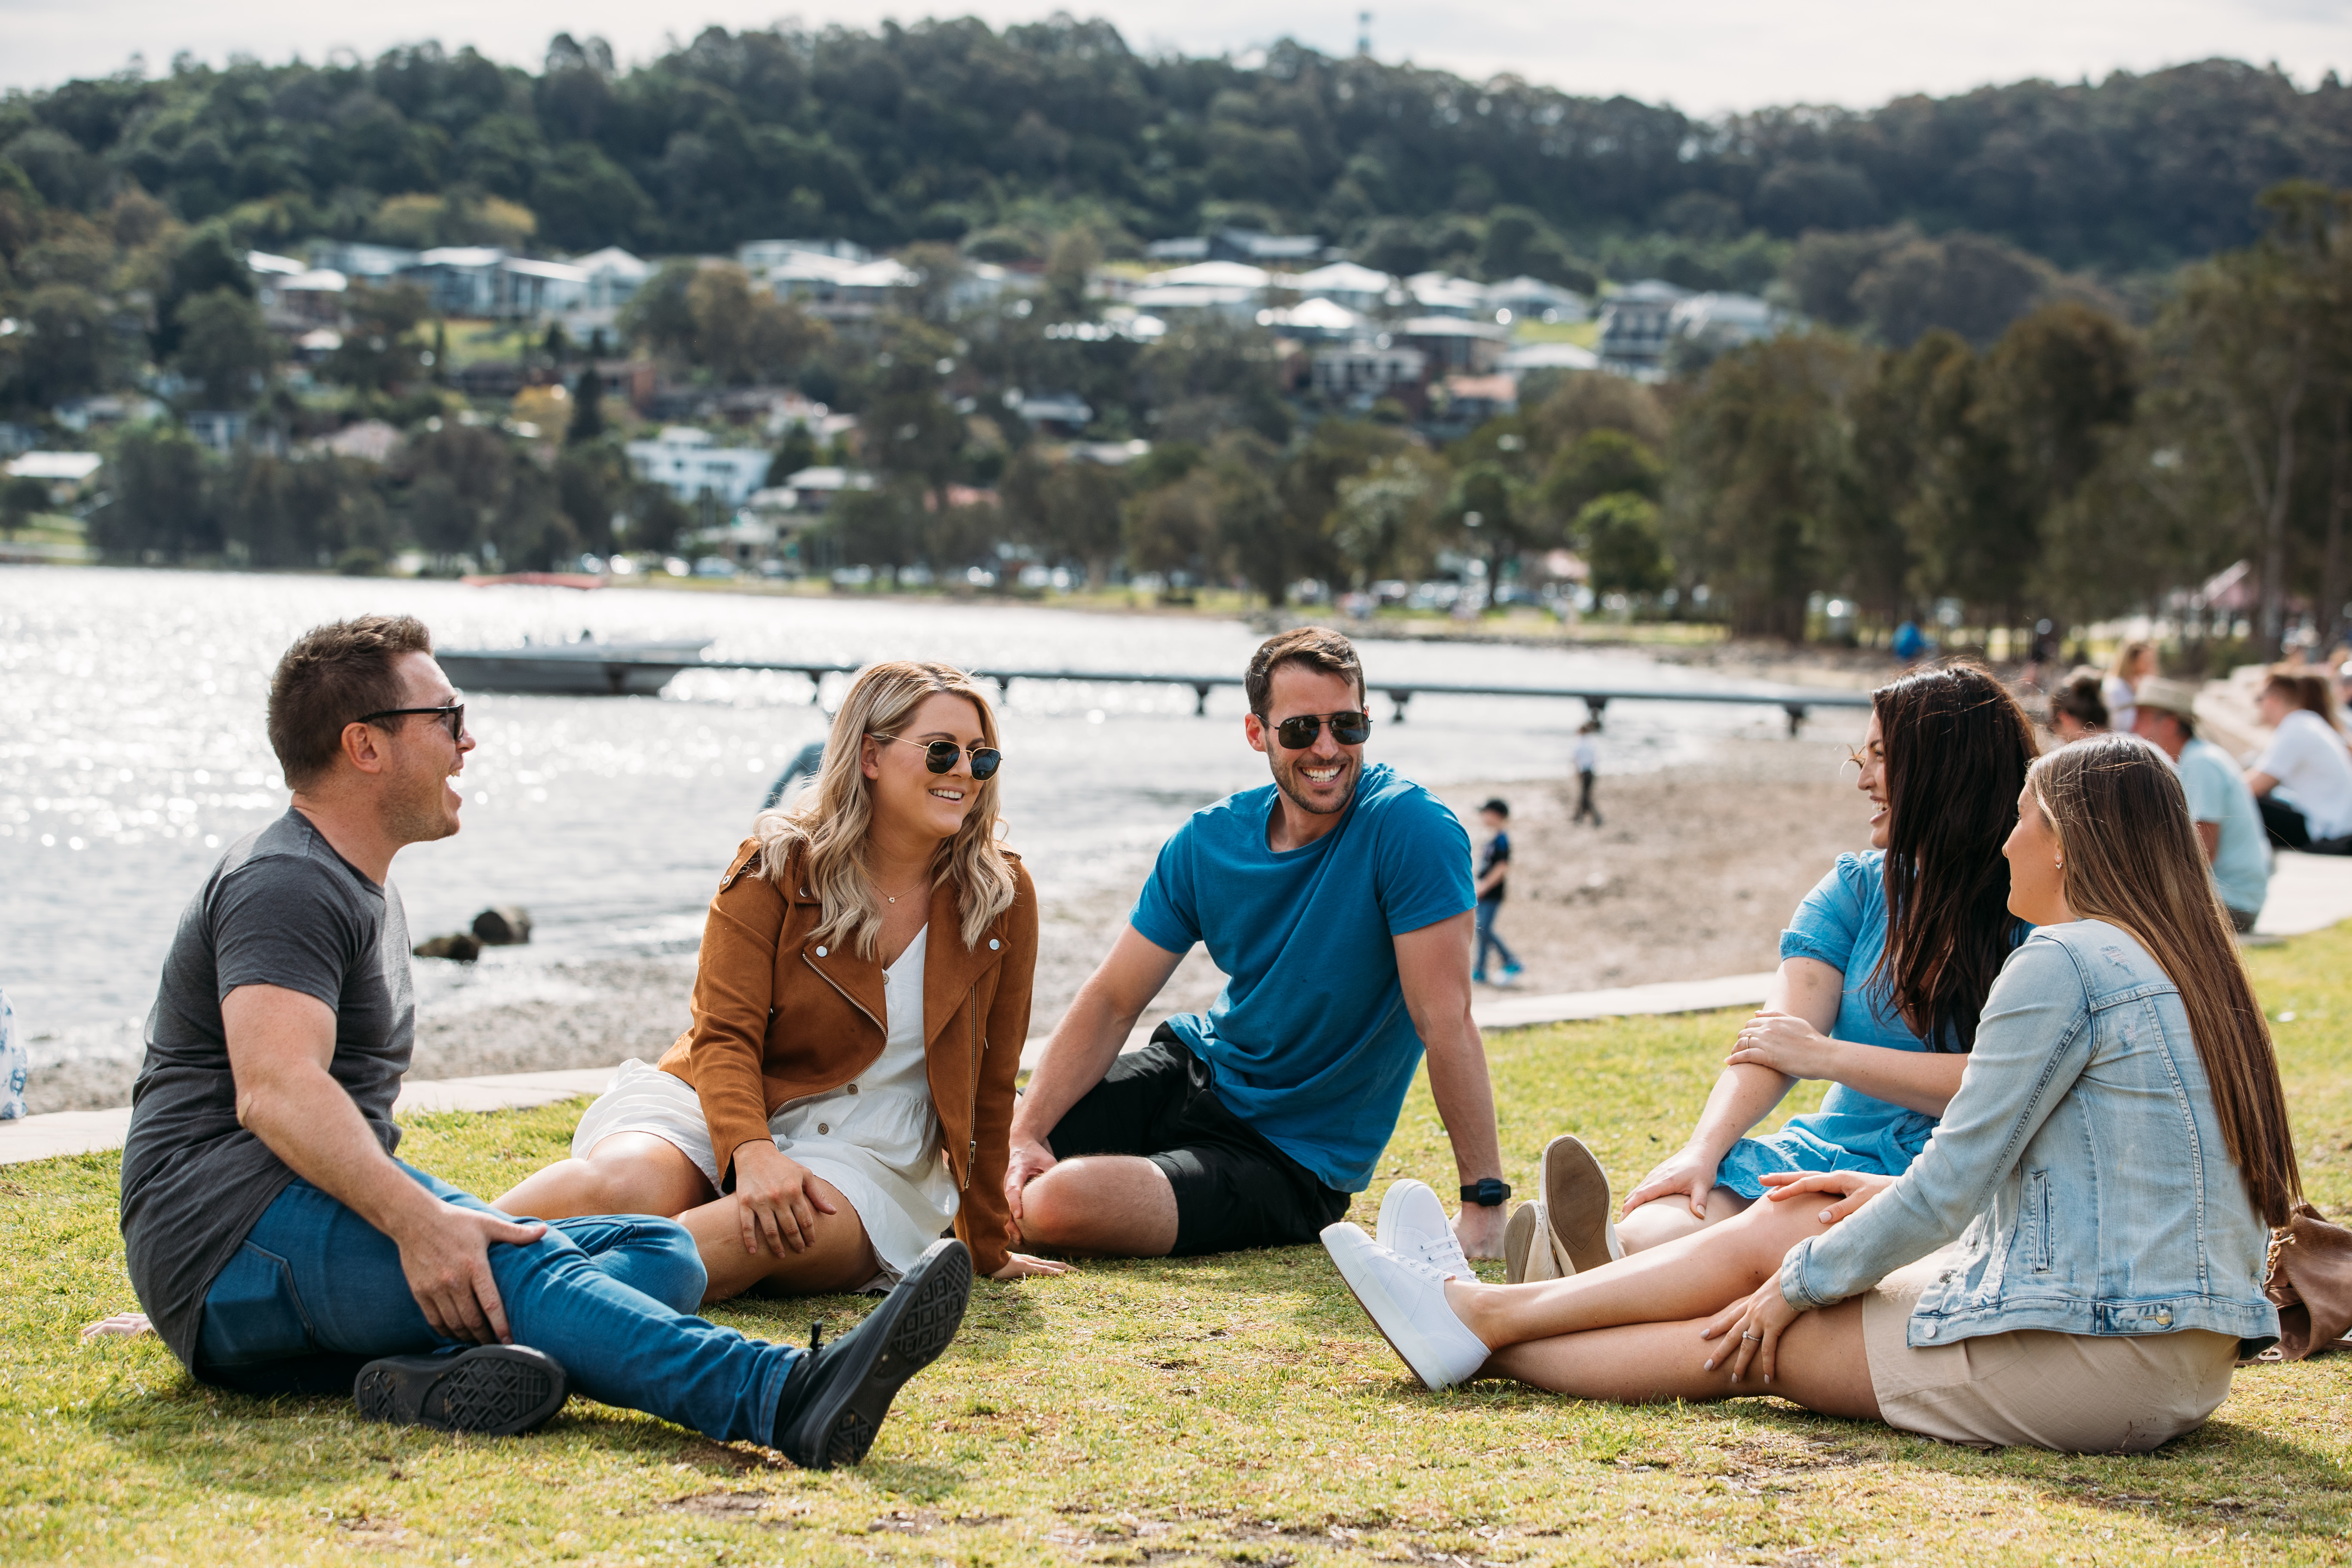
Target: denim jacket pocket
{"points": [[252, 1312], [2034, 1222]]}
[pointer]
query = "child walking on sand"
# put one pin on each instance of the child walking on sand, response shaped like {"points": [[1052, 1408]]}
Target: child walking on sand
{"points": [[1494, 875], [1588, 756]]}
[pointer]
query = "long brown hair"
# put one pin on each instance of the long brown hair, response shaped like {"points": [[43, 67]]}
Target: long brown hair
{"points": [[829, 821], [2132, 859], [1957, 749]]}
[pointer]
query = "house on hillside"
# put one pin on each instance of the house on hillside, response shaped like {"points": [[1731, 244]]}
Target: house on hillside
{"points": [[65, 473], [1438, 294], [1454, 344], [294, 296], [1360, 374], [1533, 300], [815, 489], [688, 464], [1345, 283], [756, 257], [1240, 245], [611, 278], [1722, 321], [1635, 322], [373, 264], [486, 282]]}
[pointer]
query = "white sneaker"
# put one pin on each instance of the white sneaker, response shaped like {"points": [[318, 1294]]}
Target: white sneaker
{"points": [[1406, 1301], [1413, 1225]]}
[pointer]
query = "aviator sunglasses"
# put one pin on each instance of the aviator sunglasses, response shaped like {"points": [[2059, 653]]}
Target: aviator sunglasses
{"points": [[1350, 729], [940, 755], [451, 714]]}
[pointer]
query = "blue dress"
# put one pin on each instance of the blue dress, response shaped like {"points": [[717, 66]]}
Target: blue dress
{"points": [[1842, 922]]}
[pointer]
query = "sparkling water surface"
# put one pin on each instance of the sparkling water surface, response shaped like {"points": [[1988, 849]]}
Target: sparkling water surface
{"points": [[132, 751]]}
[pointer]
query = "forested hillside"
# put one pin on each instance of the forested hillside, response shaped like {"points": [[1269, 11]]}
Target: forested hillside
{"points": [[950, 131]]}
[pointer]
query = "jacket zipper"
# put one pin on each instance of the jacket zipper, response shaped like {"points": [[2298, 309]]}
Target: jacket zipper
{"points": [[971, 1149], [845, 996]]}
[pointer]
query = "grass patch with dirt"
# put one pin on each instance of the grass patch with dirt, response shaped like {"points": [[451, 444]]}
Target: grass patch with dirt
{"points": [[1233, 1410]]}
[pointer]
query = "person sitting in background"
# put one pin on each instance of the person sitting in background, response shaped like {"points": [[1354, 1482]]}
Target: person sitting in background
{"points": [[2303, 779], [1494, 878], [2133, 662], [2228, 824], [275, 1242], [859, 1004], [2075, 1262], [1883, 969], [2077, 707]]}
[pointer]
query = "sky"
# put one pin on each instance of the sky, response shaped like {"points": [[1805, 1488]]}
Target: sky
{"points": [[1702, 56]]}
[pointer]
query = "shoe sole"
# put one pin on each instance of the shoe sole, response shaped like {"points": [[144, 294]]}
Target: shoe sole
{"points": [[1344, 1258], [1576, 1201], [1518, 1240], [492, 1391], [922, 1324]]}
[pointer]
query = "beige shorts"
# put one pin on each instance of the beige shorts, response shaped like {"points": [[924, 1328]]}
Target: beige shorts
{"points": [[2076, 1393]]}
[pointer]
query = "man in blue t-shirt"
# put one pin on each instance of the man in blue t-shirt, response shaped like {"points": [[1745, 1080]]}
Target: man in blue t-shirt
{"points": [[1338, 902]]}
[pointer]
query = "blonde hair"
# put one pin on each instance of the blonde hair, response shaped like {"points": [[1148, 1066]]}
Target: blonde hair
{"points": [[2127, 656], [2132, 859], [825, 828]]}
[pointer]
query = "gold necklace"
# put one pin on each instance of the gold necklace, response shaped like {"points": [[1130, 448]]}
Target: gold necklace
{"points": [[894, 897]]}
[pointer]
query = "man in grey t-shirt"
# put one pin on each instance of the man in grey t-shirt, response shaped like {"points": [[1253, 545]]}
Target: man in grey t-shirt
{"points": [[275, 1243]]}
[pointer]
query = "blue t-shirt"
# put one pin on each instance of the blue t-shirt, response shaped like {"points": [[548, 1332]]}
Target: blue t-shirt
{"points": [[1843, 923], [1309, 1042], [2217, 793]]}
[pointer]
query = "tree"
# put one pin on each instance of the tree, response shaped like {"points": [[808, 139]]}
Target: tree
{"points": [[2249, 339], [743, 335], [659, 318], [227, 351], [587, 408], [1601, 462], [61, 346], [1588, 400], [380, 351], [1758, 463], [22, 498], [1385, 517], [1622, 545], [156, 507]]}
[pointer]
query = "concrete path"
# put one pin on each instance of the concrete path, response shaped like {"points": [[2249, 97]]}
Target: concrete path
{"points": [[2308, 893]]}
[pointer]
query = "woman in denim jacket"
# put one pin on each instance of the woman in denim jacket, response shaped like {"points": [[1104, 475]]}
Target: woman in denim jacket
{"points": [[2085, 1235]]}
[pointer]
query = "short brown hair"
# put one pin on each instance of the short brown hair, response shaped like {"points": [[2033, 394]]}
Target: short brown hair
{"points": [[1318, 648], [330, 676]]}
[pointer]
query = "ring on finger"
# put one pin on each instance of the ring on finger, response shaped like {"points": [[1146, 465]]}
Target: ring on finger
{"points": [[1758, 1337]]}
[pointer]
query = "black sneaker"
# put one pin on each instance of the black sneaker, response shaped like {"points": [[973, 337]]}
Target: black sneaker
{"points": [[498, 1390], [835, 1398]]}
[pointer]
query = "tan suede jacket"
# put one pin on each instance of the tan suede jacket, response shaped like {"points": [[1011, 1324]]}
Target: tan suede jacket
{"points": [[778, 1017]]}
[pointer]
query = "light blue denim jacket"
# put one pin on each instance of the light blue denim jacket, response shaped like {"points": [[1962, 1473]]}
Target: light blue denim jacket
{"points": [[2080, 1164]]}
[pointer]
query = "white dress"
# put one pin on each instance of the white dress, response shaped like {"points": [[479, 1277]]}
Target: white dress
{"points": [[876, 1138]]}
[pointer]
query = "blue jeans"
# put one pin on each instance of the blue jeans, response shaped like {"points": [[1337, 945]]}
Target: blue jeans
{"points": [[315, 1292], [1487, 908]]}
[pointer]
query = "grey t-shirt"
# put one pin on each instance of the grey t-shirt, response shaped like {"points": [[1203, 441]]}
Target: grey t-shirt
{"points": [[281, 908]]}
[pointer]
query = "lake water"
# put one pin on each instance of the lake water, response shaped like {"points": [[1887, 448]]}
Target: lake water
{"points": [[132, 749]]}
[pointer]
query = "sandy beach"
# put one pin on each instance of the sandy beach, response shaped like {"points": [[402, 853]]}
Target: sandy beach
{"points": [[1693, 875]]}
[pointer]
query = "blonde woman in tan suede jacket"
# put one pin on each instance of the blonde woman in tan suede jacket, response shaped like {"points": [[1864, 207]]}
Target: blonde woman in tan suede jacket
{"points": [[859, 1006]]}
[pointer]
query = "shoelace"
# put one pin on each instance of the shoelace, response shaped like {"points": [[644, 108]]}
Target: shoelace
{"points": [[1433, 1252]]}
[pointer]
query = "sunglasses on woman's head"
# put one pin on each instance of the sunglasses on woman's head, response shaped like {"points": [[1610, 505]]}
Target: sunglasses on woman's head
{"points": [[1351, 728], [940, 755]]}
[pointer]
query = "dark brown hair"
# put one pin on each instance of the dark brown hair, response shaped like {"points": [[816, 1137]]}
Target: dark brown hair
{"points": [[1958, 746], [2313, 691], [1318, 648], [330, 676], [2081, 696], [2132, 859]]}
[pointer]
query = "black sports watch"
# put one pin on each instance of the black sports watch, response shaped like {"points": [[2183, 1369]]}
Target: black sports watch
{"points": [[1489, 1192]]}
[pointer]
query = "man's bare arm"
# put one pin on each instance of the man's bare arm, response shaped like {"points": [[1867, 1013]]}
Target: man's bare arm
{"points": [[1083, 1046], [1434, 967], [280, 1044]]}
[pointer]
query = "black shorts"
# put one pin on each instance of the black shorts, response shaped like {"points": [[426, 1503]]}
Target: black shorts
{"points": [[1233, 1188]]}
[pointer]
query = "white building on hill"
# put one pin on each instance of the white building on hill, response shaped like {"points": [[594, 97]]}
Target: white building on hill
{"points": [[688, 464]]}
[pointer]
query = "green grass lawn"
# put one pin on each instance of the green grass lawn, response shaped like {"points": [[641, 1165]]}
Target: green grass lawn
{"points": [[1236, 1410]]}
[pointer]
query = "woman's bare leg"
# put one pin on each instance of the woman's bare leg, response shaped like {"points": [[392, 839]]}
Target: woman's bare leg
{"points": [[1669, 1218], [1821, 1363], [839, 1257], [628, 1173], [1698, 1275]]}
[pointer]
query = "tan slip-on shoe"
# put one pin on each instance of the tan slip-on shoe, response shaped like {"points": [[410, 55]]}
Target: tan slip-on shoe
{"points": [[1529, 1253], [1576, 1203]]}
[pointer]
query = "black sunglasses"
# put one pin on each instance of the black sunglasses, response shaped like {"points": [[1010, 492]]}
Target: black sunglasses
{"points": [[1350, 729], [452, 715], [940, 755]]}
